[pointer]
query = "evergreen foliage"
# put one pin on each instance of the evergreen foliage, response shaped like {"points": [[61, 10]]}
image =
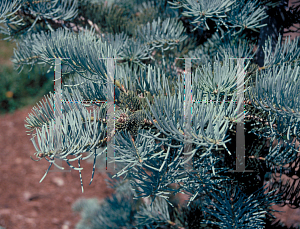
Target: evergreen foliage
{"points": [[151, 133]]}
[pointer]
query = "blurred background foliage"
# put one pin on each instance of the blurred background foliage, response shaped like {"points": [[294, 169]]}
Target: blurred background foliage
{"points": [[20, 90], [29, 87]]}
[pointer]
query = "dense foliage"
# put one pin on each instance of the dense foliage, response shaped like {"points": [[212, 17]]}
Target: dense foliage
{"points": [[157, 142]]}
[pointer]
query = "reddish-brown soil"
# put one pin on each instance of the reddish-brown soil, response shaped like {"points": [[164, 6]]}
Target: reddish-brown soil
{"points": [[26, 203]]}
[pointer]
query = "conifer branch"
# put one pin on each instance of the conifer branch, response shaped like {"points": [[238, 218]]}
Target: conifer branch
{"points": [[161, 153]]}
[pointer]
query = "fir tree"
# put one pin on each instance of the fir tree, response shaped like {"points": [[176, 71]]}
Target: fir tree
{"points": [[155, 145]]}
